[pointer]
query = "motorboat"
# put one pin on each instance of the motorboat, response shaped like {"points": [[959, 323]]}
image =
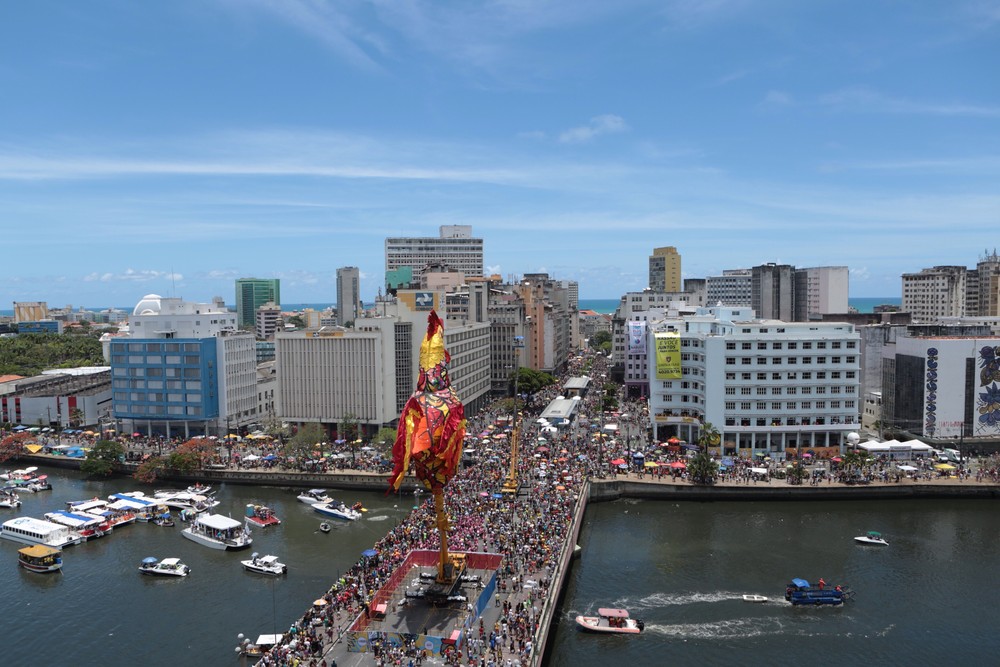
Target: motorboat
{"points": [[755, 598], [611, 621], [800, 592], [261, 515], [264, 565], [40, 558], [164, 520], [184, 500], [40, 483], [24, 474], [314, 496], [872, 537], [337, 511], [199, 489], [218, 532], [29, 530], [168, 567], [9, 498]]}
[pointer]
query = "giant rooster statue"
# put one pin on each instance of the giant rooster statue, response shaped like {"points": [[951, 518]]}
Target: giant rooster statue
{"points": [[431, 432]]}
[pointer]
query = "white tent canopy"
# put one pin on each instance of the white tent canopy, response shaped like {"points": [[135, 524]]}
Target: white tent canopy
{"points": [[895, 449]]}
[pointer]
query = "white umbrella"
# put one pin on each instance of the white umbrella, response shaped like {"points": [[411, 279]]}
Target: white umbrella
{"points": [[251, 457]]}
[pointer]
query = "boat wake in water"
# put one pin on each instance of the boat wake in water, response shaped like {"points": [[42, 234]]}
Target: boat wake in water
{"points": [[657, 600], [380, 517]]}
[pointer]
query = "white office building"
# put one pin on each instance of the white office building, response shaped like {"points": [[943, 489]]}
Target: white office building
{"points": [[767, 386], [454, 247]]}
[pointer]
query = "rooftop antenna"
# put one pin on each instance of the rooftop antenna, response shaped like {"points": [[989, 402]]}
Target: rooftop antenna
{"points": [[173, 283]]}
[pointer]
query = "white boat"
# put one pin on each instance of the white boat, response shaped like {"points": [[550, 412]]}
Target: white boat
{"points": [[168, 567], [611, 621], [9, 498], [184, 500], [199, 488], [314, 496], [755, 598], [28, 530], [337, 511], [25, 474], [89, 526], [218, 532], [872, 537], [264, 565], [40, 558]]}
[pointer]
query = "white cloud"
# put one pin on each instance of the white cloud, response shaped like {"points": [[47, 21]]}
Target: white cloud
{"points": [[598, 125], [777, 98], [133, 275], [865, 100]]}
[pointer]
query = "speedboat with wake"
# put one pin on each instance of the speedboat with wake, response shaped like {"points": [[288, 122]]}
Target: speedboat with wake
{"points": [[337, 511], [611, 621]]}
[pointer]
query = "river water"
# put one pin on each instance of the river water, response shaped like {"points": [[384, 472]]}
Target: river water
{"points": [[100, 611], [926, 599]]}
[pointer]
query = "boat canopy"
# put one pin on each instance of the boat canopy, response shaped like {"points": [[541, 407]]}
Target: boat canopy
{"points": [[612, 613], [800, 583], [144, 502], [875, 534], [150, 560], [218, 522], [168, 562], [268, 640], [38, 551], [317, 492]]}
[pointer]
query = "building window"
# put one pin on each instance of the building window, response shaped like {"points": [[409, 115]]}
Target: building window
{"points": [[730, 361]]}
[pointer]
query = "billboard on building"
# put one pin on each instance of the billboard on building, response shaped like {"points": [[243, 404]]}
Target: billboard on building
{"points": [[637, 338], [668, 355]]}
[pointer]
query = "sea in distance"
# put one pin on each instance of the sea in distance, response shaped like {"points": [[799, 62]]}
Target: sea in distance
{"points": [[603, 306]]}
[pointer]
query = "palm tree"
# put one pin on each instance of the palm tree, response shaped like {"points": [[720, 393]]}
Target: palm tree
{"points": [[702, 468], [709, 436]]}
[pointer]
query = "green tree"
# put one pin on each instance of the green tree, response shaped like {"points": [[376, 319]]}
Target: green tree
{"points": [[796, 473], [709, 436], [150, 469], [702, 468], [302, 444], [601, 341], [30, 354], [191, 455], [102, 457], [384, 440], [530, 381], [297, 321], [350, 432]]}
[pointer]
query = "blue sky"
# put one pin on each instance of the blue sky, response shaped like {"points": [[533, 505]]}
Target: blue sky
{"points": [[172, 147]]}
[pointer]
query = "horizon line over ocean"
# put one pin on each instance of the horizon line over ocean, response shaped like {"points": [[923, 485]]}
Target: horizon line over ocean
{"points": [[864, 304]]}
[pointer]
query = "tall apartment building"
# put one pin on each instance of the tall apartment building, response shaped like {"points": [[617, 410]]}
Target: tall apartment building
{"points": [[268, 321], [348, 294], [821, 290], [983, 284], [251, 294], [454, 247], [772, 291], [184, 369], [732, 288], [665, 270], [935, 292], [766, 386]]}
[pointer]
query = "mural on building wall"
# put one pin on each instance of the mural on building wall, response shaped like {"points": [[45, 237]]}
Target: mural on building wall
{"points": [[930, 395], [988, 404]]}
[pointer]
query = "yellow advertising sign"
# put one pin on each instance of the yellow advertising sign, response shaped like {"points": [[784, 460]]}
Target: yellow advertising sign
{"points": [[668, 355]]}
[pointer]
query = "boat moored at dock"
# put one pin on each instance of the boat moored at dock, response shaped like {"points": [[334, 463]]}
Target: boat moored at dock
{"points": [[314, 496], [29, 530]]}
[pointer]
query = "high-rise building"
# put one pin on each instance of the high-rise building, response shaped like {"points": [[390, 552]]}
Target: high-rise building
{"points": [[268, 321], [348, 294], [820, 290], [732, 288], [184, 369], [766, 386], [455, 248], [251, 294], [935, 292], [30, 311], [772, 291], [665, 270]]}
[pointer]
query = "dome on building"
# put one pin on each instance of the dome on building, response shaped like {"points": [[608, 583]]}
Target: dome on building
{"points": [[149, 305], [853, 438]]}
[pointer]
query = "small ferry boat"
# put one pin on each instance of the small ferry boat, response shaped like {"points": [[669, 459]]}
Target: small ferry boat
{"points": [[40, 558], [872, 537], [799, 592], [168, 567], [337, 511], [611, 621], [264, 565], [314, 496], [261, 515], [28, 530], [218, 532]]}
